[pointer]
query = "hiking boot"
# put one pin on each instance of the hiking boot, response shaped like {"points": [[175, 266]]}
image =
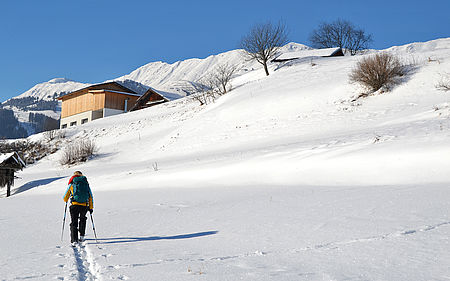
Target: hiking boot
{"points": [[82, 239], [74, 244]]}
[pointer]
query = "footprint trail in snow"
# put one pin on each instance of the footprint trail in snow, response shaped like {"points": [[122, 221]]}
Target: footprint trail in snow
{"points": [[87, 268]]}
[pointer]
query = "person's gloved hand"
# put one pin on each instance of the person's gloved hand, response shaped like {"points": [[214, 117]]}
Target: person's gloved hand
{"points": [[91, 210]]}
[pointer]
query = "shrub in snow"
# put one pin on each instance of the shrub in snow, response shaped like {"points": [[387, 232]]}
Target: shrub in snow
{"points": [[78, 151], [50, 135], [29, 151], [380, 71], [444, 83], [61, 134]]}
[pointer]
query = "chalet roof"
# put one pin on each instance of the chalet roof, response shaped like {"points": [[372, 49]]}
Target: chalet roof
{"points": [[11, 159], [167, 95], [328, 52], [144, 99], [107, 86]]}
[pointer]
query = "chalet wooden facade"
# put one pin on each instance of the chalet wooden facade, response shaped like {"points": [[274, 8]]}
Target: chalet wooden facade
{"points": [[94, 102], [9, 164]]}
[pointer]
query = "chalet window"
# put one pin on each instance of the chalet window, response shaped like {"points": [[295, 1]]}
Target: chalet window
{"points": [[85, 120], [64, 126], [74, 123]]}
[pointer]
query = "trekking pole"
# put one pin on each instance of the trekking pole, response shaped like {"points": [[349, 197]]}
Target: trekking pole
{"points": [[64, 222], [93, 228]]}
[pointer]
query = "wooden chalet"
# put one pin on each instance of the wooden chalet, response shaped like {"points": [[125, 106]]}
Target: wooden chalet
{"points": [[94, 102], [149, 98], [9, 164]]}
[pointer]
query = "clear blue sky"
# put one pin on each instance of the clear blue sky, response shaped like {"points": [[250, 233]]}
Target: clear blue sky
{"points": [[96, 40]]}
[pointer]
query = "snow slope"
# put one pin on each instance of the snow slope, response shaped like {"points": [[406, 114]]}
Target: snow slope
{"points": [[283, 178]]}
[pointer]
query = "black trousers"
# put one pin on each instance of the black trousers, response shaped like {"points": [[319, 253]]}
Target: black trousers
{"points": [[78, 223]]}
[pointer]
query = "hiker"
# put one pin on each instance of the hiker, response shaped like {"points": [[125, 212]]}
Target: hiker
{"points": [[81, 201]]}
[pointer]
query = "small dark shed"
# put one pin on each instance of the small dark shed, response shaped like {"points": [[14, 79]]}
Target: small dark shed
{"points": [[150, 98], [302, 54], [9, 164]]}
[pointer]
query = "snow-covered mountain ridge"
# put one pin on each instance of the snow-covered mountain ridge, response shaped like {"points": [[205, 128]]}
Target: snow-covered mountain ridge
{"points": [[159, 75]]}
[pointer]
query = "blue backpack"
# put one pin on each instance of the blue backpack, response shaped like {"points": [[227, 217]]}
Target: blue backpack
{"points": [[81, 191]]}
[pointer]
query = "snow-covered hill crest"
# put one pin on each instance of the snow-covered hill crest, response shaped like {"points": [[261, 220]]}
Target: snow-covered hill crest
{"points": [[53, 88], [177, 76]]}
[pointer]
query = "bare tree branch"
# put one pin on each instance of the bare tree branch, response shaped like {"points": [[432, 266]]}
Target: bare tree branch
{"points": [[342, 34], [263, 41], [214, 84], [222, 77]]}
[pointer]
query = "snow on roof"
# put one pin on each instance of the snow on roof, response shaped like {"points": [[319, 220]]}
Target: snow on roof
{"points": [[167, 95], [99, 87], [307, 53], [14, 155], [6, 156]]}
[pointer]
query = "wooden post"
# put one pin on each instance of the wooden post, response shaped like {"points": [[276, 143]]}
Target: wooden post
{"points": [[10, 179]]}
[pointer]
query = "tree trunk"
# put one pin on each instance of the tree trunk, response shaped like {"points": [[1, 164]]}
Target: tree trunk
{"points": [[8, 190], [266, 69]]}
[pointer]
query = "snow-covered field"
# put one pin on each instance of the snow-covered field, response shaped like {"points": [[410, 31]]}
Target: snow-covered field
{"points": [[281, 179]]}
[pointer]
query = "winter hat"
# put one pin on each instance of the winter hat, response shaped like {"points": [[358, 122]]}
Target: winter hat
{"points": [[77, 173]]}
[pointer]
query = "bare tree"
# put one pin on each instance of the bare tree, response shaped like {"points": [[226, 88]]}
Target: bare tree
{"points": [[214, 84], [263, 41], [203, 90], [203, 97], [342, 34], [222, 77]]}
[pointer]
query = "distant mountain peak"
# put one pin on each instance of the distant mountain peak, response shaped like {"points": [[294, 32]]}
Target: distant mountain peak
{"points": [[293, 47], [59, 80], [47, 90]]}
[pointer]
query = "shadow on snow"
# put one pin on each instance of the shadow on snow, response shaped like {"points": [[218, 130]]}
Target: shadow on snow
{"points": [[116, 240], [33, 184]]}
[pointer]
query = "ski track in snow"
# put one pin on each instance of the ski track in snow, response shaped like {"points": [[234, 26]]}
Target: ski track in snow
{"points": [[335, 245], [87, 268]]}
